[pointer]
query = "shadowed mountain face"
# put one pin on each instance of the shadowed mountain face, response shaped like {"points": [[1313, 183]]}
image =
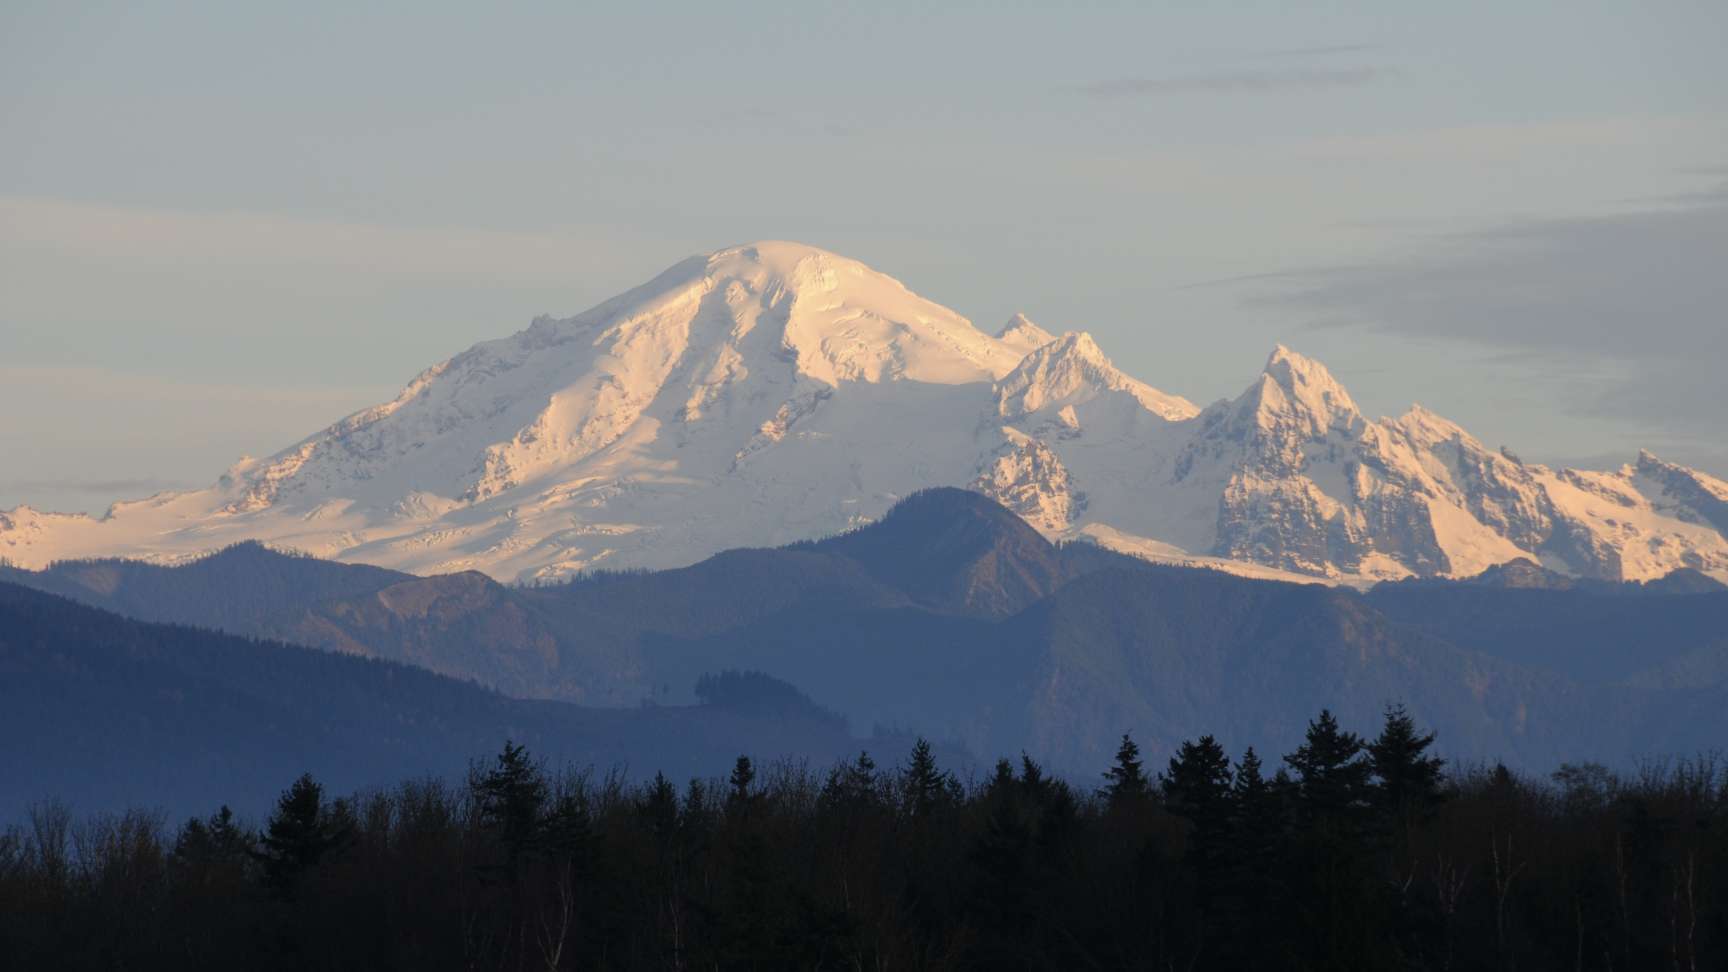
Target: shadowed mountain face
{"points": [[108, 712], [954, 550], [952, 617], [229, 590]]}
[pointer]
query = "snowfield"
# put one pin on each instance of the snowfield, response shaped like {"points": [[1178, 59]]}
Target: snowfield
{"points": [[777, 392]]}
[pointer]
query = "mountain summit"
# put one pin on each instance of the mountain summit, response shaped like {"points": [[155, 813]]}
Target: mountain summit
{"points": [[775, 392]]}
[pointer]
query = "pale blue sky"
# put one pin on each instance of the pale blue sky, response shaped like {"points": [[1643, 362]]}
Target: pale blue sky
{"points": [[223, 226]]}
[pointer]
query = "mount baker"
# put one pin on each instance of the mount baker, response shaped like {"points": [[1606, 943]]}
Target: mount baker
{"points": [[776, 392]]}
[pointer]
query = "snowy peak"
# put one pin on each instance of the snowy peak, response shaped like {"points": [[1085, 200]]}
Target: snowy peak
{"points": [[743, 342], [774, 392], [842, 321], [1684, 492], [1297, 393], [1072, 370], [1022, 335]]}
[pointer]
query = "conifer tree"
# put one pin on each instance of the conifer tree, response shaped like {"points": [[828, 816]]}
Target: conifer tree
{"points": [[1197, 788], [1197, 783], [659, 808], [1128, 784], [215, 840], [1408, 780], [1331, 798], [1331, 774], [743, 775], [927, 787], [1253, 888], [512, 797], [298, 835], [852, 785]]}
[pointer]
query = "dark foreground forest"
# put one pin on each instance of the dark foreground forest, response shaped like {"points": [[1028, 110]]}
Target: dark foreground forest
{"points": [[1344, 854]]}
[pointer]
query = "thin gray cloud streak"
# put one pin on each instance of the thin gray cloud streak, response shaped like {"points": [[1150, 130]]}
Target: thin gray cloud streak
{"points": [[1322, 50], [1639, 295], [118, 486], [1239, 82]]}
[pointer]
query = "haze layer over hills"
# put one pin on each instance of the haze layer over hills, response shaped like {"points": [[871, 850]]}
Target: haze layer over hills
{"points": [[775, 392]]}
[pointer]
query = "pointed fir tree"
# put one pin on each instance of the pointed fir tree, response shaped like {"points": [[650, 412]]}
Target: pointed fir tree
{"points": [[1332, 848], [1128, 785], [298, 835], [743, 777], [1332, 777], [214, 846], [852, 785], [1252, 890], [1197, 783], [1196, 788], [512, 798], [927, 788], [1408, 781], [659, 808]]}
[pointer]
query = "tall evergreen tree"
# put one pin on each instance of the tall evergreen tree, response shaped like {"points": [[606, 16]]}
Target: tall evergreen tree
{"points": [[216, 840], [1128, 785], [852, 785], [512, 797], [1197, 782], [659, 808], [743, 777], [1253, 891], [1407, 780], [1331, 774], [1331, 867], [927, 788], [1197, 788], [298, 835]]}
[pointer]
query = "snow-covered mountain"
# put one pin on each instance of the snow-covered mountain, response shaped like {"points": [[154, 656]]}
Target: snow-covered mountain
{"points": [[776, 392]]}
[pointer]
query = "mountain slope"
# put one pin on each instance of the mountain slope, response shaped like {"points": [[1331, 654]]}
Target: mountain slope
{"points": [[953, 617], [108, 712], [776, 392], [231, 590]]}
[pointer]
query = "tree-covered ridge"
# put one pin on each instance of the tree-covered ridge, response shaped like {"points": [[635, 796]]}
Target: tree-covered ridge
{"points": [[950, 616], [1346, 853], [104, 712]]}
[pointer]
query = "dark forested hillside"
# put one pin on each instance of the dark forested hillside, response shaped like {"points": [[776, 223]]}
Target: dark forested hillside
{"points": [[107, 712], [1332, 851], [1592, 634], [231, 590]]}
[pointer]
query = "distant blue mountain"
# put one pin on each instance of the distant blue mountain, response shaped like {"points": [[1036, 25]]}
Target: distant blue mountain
{"points": [[952, 617]]}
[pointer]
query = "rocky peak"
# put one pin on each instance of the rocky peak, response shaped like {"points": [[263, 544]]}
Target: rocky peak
{"points": [[1022, 335], [1072, 369], [1700, 494], [1298, 391]]}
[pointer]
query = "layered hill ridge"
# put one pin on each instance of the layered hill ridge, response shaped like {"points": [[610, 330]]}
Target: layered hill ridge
{"points": [[952, 617], [775, 392]]}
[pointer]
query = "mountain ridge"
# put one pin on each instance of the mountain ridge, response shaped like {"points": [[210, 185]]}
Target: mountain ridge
{"points": [[953, 617], [776, 392]]}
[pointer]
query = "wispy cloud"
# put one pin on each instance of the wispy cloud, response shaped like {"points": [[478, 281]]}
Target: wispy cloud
{"points": [[144, 237], [1240, 82], [122, 487], [1319, 50], [1631, 301]]}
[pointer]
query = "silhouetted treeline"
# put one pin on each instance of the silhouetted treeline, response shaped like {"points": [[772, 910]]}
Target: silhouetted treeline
{"points": [[1346, 853]]}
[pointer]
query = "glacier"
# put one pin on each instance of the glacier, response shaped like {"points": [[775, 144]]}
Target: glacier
{"points": [[776, 392]]}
